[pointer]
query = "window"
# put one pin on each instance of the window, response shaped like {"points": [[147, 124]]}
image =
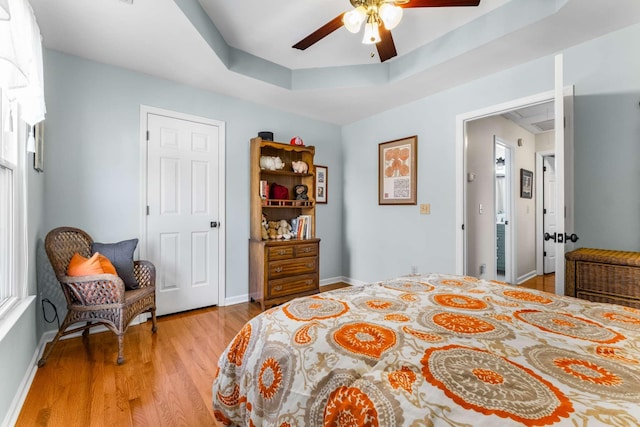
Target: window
{"points": [[6, 232], [12, 284]]}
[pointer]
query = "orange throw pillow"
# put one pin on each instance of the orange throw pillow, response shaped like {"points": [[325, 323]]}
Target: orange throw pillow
{"points": [[97, 264], [106, 265]]}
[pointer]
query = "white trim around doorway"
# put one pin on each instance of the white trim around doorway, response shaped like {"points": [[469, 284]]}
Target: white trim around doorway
{"points": [[144, 111]]}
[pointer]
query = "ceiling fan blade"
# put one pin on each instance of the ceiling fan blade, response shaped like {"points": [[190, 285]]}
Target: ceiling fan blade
{"points": [[320, 33], [386, 47], [441, 3]]}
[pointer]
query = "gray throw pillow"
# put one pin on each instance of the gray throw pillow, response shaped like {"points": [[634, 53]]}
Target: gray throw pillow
{"points": [[121, 256]]}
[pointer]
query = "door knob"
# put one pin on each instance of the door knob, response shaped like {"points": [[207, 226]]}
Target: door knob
{"points": [[548, 236], [573, 238], [214, 224]]}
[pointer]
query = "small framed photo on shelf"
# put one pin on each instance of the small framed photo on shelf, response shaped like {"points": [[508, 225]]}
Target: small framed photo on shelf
{"points": [[526, 184], [322, 175], [398, 171]]}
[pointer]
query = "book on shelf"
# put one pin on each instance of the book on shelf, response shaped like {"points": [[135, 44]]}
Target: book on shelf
{"points": [[264, 189], [303, 229]]}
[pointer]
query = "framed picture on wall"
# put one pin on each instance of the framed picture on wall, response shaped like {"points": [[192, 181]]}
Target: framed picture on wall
{"points": [[398, 171], [526, 184], [322, 175]]}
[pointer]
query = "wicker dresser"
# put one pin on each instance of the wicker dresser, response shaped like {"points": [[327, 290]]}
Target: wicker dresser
{"points": [[604, 276]]}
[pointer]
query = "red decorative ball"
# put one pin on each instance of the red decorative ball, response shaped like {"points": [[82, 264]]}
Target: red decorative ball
{"points": [[296, 140]]}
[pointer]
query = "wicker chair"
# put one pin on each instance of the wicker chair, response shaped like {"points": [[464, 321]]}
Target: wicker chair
{"points": [[100, 299]]}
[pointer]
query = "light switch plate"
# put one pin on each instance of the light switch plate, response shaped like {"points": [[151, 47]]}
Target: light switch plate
{"points": [[425, 209]]}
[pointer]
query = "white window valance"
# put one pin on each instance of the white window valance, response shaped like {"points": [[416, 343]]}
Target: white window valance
{"points": [[21, 60]]}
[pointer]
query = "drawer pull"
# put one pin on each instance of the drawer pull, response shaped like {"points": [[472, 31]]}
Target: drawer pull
{"points": [[281, 252], [277, 269], [278, 288], [306, 250], [309, 282], [310, 265]]}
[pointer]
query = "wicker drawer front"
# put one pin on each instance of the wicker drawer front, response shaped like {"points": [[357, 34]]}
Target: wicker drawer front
{"points": [[610, 279], [608, 299], [288, 286], [279, 252], [310, 249], [292, 267]]}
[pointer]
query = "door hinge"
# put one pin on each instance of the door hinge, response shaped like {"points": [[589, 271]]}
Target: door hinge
{"points": [[544, 169], [462, 227], [544, 253], [544, 211], [147, 210], [147, 135]]}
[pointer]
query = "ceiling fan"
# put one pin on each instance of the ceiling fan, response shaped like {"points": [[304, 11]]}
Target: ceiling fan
{"points": [[375, 13]]}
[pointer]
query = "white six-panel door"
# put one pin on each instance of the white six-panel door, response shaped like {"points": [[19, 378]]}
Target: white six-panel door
{"points": [[182, 223], [550, 211]]}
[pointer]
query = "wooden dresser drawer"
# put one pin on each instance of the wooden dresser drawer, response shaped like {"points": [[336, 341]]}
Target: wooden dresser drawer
{"points": [[291, 285], [280, 252], [306, 249], [614, 280], [292, 267], [595, 297]]}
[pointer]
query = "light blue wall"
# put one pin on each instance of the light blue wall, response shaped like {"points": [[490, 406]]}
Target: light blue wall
{"points": [[385, 241], [92, 155], [606, 74], [17, 348]]}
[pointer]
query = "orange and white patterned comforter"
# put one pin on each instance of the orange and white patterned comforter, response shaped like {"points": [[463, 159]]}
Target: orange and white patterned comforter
{"points": [[433, 350]]}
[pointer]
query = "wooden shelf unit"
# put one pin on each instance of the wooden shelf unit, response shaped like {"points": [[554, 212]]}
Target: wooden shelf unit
{"points": [[280, 270]]}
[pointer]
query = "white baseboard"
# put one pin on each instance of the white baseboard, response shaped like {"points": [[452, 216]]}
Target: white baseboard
{"points": [[527, 276], [236, 300]]}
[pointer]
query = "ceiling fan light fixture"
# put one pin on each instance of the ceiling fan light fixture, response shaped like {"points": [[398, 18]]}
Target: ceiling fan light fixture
{"points": [[390, 15], [371, 32], [353, 19]]}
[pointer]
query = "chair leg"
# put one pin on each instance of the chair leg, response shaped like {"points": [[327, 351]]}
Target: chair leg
{"points": [[49, 348], [85, 333], [154, 326], [120, 349]]}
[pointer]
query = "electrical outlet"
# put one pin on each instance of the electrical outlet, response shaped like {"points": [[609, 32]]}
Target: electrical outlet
{"points": [[414, 269], [483, 268], [425, 209]]}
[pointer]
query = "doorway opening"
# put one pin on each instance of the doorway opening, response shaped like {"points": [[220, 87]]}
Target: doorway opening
{"points": [[503, 207], [518, 124]]}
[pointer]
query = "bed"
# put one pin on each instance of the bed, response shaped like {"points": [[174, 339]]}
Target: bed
{"points": [[433, 350]]}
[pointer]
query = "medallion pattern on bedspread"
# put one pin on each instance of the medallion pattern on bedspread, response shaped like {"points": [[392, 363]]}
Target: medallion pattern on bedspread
{"points": [[436, 350], [478, 380]]}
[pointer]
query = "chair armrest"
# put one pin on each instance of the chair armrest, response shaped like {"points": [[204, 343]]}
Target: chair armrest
{"points": [[145, 273], [97, 289]]}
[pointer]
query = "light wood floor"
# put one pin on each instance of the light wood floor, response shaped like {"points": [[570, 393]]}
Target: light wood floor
{"points": [[165, 380]]}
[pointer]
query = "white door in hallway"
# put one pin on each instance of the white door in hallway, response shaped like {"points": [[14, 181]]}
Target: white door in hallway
{"points": [[183, 214], [550, 211]]}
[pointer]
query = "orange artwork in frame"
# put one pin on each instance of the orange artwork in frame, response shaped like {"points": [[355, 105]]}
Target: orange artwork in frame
{"points": [[398, 171]]}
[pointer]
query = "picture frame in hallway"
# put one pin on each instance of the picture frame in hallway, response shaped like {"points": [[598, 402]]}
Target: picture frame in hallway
{"points": [[398, 171], [526, 184], [322, 176]]}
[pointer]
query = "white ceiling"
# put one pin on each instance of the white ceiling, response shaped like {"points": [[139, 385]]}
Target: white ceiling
{"points": [[287, 22], [157, 38]]}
